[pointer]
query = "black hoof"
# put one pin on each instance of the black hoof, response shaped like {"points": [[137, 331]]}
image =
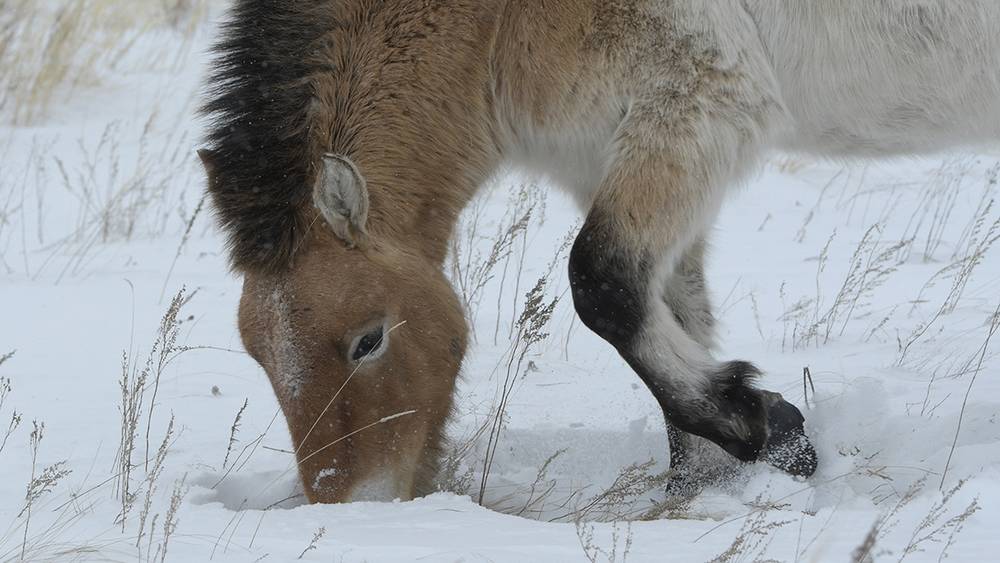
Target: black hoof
{"points": [[787, 446]]}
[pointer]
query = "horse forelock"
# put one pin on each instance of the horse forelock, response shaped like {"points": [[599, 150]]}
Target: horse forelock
{"points": [[263, 137]]}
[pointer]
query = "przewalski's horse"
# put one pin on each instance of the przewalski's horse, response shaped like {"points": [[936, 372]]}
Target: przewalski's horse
{"points": [[350, 134]]}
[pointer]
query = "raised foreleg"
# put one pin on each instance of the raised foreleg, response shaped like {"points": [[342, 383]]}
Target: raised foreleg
{"points": [[661, 192]]}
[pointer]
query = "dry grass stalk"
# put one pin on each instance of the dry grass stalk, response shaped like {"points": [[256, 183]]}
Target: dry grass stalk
{"points": [[993, 328], [618, 500], [233, 430], [134, 384], [184, 240], [980, 240], [933, 213], [151, 479], [12, 426], [932, 530], [312, 544], [6, 387], [131, 385], [755, 535], [171, 521], [986, 199], [4, 358], [165, 347], [473, 270], [123, 193], [531, 326], [594, 552], [49, 50], [870, 266], [536, 493], [248, 450], [40, 484], [863, 553]]}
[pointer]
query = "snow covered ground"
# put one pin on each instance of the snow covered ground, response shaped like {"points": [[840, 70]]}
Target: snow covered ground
{"points": [[879, 277]]}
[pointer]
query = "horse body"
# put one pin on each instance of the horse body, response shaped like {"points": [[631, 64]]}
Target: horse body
{"points": [[379, 120], [885, 77]]}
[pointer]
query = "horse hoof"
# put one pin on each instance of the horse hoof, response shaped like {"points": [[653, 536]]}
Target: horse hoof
{"points": [[787, 446]]}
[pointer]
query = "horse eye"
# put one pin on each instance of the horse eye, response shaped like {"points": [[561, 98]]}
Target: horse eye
{"points": [[367, 345]]}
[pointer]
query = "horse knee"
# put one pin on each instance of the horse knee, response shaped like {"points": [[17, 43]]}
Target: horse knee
{"points": [[608, 290]]}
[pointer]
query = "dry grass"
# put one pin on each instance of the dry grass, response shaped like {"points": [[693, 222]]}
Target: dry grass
{"points": [[870, 266], [51, 53], [815, 320], [81, 42], [530, 331], [960, 271], [941, 523], [312, 544], [994, 326], [134, 479], [40, 484], [473, 270], [233, 430], [135, 383], [594, 551], [939, 197], [132, 181], [124, 191], [6, 388], [496, 262], [753, 539]]}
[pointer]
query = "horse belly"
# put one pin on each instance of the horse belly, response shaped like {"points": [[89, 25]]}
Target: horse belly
{"points": [[574, 151]]}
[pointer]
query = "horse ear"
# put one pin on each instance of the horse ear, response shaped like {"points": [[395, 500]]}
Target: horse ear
{"points": [[208, 160], [342, 197]]}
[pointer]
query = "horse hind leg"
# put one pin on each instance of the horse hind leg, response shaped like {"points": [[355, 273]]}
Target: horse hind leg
{"points": [[686, 295], [661, 192]]}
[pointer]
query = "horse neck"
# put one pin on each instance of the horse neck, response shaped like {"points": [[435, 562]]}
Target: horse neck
{"points": [[435, 134]]}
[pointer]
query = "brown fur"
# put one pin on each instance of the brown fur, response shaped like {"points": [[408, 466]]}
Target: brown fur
{"points": [[405, 122], [421, 96], [425, 98], [325, 307]]}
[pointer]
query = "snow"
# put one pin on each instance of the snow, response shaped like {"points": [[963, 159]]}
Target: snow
{"points": [[896, 431]]}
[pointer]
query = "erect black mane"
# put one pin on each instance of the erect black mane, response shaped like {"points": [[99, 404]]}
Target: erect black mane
{"points": [[261, 141]]}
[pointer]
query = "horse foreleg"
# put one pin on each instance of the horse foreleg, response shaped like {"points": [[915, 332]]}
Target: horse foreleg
{"points": [[660, 194]]}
